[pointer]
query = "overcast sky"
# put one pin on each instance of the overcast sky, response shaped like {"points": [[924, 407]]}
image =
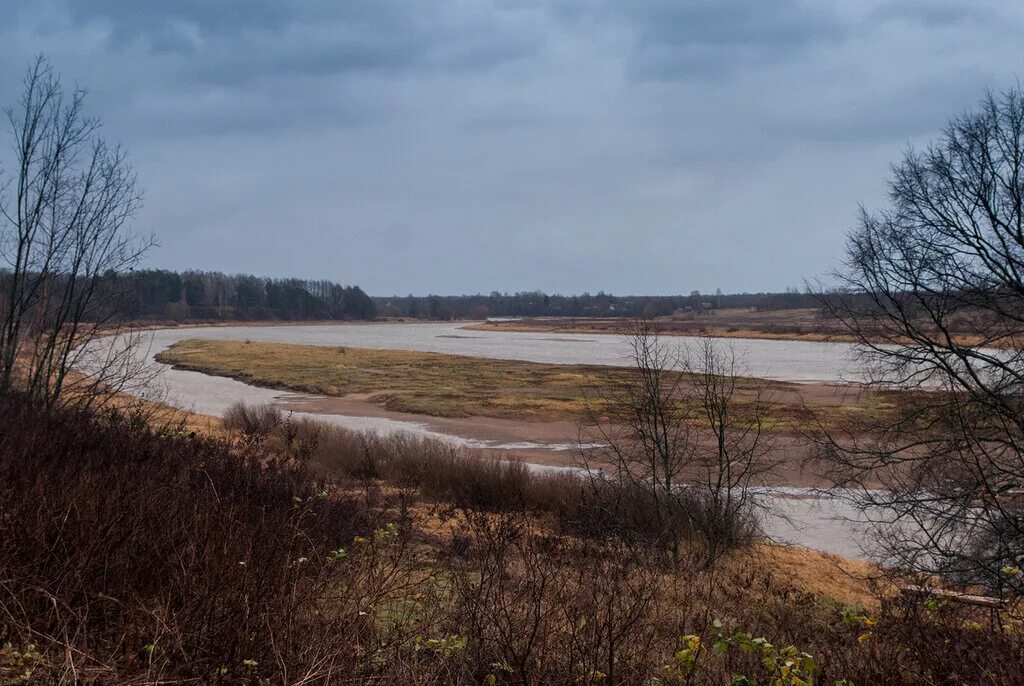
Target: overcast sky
{"points": [[634, 146]]}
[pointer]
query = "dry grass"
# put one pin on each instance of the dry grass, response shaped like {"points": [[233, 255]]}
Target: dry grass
{"points": [[449, 385], [585, 507], [423, 383], [135, 556], [853, 582], [131, 552], [806, 324], [444, 473], [801, 324]]}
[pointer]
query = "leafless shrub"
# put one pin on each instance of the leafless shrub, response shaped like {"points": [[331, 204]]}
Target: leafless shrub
{"points": [[64, 235], [170, 555], [943, 259], [684, 441], [134, 556], [437, 469], [258, 420], [544, 609], [584, 505]]}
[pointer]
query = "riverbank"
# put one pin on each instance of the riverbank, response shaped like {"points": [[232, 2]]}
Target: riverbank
{"points": [[784, 325], [803, 325], [170, 526], [424, 383], [457, 386], [791, 325], [809, 520], [540, 410]]}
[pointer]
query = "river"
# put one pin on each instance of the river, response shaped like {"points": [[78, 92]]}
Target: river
{"points": [[814, 522], [800, 361]]}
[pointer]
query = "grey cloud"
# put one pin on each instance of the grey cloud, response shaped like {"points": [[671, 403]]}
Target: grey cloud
{"points": [[931, 13], [234, 41], [712, 39], [243, 67], [642, 145], [150, 20], [737, 23]]}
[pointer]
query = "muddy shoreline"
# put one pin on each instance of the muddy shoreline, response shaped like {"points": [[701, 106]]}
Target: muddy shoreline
{"points": [[791, 472]]}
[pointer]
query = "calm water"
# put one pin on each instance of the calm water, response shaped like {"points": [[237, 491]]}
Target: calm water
{"points": [[780, 360], [813, 522]]}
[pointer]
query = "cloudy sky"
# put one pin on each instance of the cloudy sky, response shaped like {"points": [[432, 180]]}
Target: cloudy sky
{"points": [[634, 146]]}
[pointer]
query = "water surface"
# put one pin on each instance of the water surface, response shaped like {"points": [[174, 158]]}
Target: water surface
{"points": [[805, 520], [803, 361]]}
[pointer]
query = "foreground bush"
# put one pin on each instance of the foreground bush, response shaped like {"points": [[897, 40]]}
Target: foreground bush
{"points": [[586, 505], [127, 549], [135, 556]]}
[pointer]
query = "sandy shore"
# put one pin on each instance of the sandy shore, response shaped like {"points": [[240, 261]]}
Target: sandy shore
{"points": [[790, 472]]}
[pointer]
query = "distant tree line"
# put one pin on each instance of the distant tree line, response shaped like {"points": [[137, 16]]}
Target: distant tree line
{"points": [[539, 304], [162, 294]]}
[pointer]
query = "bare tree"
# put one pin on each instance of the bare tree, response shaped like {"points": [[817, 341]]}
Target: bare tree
{"points": [[678, 431], [64, 212], [641, 420], [933, 291], [733, 454]]}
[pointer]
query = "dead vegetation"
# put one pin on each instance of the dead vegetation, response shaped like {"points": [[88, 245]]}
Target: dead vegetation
{"points": [[796, 324], [812, 324], [132, 555], [442, 385]]}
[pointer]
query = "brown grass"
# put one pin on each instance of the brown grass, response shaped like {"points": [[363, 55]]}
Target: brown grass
{"points": [[801, 324], [805, 324], [128, 551], [134, 556], [453, 385], [453, 474], [423, 383]]}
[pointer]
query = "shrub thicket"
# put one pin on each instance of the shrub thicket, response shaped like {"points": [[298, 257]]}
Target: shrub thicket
{"points": [[143, 556]]}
